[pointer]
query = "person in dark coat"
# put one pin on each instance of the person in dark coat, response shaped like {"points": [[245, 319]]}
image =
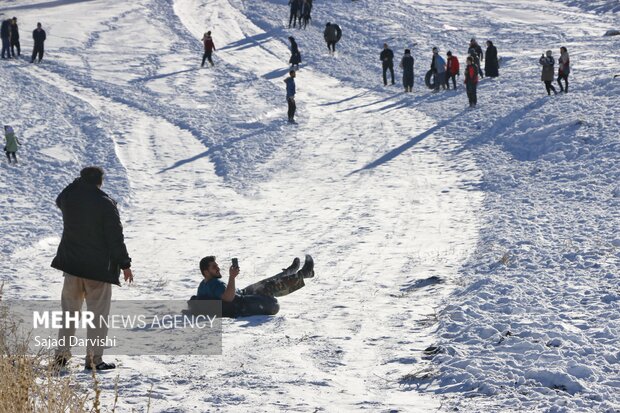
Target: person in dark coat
{"points": [[15, 38], [406, 64], [5, 33], [209, 47], [306, 12], [290, 96], [39, 37], [491, 63], [295, 6], [387, 60], [476, 52], [91, 254], [563, 69], [295, 59], [332, 34]]}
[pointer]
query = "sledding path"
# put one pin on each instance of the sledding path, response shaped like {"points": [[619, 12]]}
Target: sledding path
{"points": [[212, 169]]}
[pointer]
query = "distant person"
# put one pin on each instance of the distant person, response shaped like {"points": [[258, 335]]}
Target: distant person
{"points": [[548, 62], [11, 143], [438, 67], [306, 12], [209, 47], [476, 52], [406, 63], [5, 33], [290, 96], [295, 59], [452, 69], [38, 35], [387, 60], [491, 62], [256, 299], [332, 35], [563, 69], [15, 38], [295, 8], [471, 82], [91, 255]]}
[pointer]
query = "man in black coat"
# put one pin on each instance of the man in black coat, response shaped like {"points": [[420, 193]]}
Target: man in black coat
{"points": [[295, 12], [38, 35], [387, 59], [91, 254], [5, 33], [15, 38], [491, 63]]}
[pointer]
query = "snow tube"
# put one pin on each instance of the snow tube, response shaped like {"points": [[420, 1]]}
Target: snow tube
{"points": [[241, 306], [429, 80]]}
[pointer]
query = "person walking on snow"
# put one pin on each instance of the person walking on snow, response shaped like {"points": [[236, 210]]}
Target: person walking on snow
{"points": [[91, 255], [476, 51], [290, 96], [209, 46], [295, 6], [452, 69], [39, 37], [387, 60], [438, 67], [306, 12], [491, 62], [563, 69], [11, 143], [406, 64], [547, 62], [295, 59], [332, 34], [5, 33], [471, 82], [15, 38]]}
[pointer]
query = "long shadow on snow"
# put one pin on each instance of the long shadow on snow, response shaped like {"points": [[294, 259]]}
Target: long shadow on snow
{"points": [[45, 5], [407, 145], [162, 75], [252, 41]]}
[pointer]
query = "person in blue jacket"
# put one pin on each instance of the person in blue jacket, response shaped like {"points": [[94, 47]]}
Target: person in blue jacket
{"points": [[290, 96]]}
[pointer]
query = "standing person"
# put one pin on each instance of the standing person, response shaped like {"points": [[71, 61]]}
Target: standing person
{"points": [[91, 254], [15, 38], [306, 12], [11, 143], [548, 62], [438, 67], [5, 33], [387, 60], [471, 82], [452, 69], [332, 34], [295, 6], [563, 69], [491, 62], [290, 96], [209, 46], [295, 59], [406, 64], [38, 35], [476, 51]]}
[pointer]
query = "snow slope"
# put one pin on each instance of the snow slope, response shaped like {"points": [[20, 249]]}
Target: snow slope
{"points": [[384, 189]]}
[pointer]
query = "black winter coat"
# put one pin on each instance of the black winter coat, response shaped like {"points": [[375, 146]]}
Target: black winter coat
{"points": [[39, 37], [14, 32], [295, 54], [387, 57], [92, 244], [491, 64], [5, 29]]}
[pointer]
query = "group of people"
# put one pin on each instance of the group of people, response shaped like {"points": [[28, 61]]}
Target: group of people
{"points": [[11, 47], [548, 71], [300, 13]]}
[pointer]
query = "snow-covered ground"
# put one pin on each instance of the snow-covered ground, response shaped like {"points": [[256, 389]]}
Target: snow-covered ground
{"points": [[513, 206]]}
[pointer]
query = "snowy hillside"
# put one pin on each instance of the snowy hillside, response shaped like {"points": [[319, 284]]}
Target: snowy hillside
{"points": [[492, 234]]}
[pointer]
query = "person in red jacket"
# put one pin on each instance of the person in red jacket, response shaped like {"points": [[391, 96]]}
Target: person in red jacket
{"points": [[471, 82], [453, 69], [209, 48]]}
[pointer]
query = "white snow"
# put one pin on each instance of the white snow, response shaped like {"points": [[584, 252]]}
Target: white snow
{"points": [[492, 234]]}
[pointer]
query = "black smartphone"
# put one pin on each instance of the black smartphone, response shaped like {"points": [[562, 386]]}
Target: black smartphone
{"points": [[235, 263]]}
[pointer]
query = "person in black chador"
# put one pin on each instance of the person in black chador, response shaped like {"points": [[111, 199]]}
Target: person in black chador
{"points": [[38, 35], [387, 60], [491, 63], [407, 65]]}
